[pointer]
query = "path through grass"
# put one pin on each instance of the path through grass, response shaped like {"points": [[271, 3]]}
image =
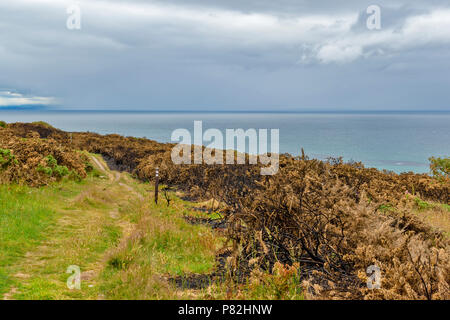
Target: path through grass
{"points": [[90, 224]]}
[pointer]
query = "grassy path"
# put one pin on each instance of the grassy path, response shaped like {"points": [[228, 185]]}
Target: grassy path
{"points": [[91, 225], [87, 225], [125, 246]]}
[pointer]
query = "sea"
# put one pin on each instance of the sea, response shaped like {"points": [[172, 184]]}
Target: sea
{"points": [[395, 141]]}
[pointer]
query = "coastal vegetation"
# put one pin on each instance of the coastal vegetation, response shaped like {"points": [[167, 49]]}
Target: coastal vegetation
{"points": [[440, 168], [219, 231]]}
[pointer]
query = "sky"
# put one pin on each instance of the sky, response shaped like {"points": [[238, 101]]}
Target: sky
{"points": [[229, 55]]}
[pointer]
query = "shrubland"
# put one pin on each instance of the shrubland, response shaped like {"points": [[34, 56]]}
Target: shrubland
{"points": [[29, 159]]}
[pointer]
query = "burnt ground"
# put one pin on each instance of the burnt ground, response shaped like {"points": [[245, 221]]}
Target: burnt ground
{"points": [[213, 223], [221, 272], [202, 281]]}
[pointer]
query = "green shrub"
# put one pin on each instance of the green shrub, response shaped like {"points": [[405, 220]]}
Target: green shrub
{"points": [[51, 161], [52, 168], [440, 167], [6, 158], [88, 166], [2, 124], [73, 175], [48, 171], [423, 205], [61, 171]]}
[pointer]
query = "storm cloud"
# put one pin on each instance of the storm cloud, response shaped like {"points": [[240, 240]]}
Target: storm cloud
{"points": [[226, 55]]}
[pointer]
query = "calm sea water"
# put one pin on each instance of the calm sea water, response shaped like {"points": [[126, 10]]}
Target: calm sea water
{"points": [[394, 141]]}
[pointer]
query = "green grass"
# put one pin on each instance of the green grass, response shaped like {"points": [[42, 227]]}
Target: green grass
{"points": [[180, 250], [24, 215], [41, 290], [163, 244], [433, 213], [424, 205], [27, 216], [283, 283]]}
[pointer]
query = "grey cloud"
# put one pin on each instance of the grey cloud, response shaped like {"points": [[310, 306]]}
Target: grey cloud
{"points": [[296, 7]]}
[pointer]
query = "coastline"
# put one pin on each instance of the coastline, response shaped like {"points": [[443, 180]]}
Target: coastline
{"points": [[397, 142]]}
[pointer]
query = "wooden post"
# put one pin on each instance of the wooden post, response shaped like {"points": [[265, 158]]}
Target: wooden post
{"points": [[156, 185]]}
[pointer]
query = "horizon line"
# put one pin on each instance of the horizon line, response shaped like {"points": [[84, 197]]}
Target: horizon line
{"points": [[50, 108]]}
